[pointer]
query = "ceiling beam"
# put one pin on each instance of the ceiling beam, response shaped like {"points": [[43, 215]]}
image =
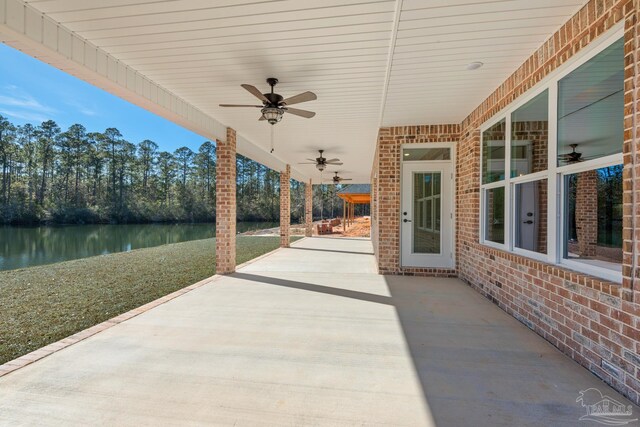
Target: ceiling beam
{"points": [[392, 48]]}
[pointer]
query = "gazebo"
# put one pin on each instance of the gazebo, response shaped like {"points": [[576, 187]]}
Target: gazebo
{"points": [[352, 195]]}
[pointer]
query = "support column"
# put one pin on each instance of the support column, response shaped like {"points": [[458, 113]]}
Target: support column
{"points": [[285, 206], [344, 215], [308, 209], [226, 204]]}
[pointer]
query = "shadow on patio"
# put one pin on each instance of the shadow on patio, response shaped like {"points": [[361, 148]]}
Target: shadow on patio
{"points": [[309, 337]]}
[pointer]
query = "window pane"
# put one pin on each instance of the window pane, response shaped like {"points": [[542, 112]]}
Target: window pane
{"points": [[531, 216], [413, 154], [593, 218], [493, 153], [494, 215], [426, 239], [428, 178], [591, 108], [529, 136]]}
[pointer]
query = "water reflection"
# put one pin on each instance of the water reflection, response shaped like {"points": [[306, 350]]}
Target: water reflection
{"points": [[28, 246]]}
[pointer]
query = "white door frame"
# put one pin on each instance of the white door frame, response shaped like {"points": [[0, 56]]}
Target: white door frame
{"points": [[435, 263]]}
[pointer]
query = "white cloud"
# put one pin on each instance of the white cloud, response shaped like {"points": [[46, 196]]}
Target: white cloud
{"points": [[24, 115], [18, 104]]}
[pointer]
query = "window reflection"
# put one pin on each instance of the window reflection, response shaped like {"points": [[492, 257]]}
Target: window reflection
{"points": [[494, 215], [493, 153], [593, 218], [591, 108], [531, 216], [530, 136]]}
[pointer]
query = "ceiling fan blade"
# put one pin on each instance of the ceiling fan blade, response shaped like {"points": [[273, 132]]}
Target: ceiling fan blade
{"points": [[312, 160], [333, 160], [303, 97], [302, 113], [307, 163], [334, 163], [346, 179], [262, 118], [255, 92], [240, 105]]}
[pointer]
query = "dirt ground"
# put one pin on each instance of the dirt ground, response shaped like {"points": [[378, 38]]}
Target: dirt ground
{"points": [[361, 227]]}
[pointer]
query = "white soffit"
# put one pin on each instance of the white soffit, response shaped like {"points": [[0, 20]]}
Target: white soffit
{"points": [[437, 39], [202, 50]]}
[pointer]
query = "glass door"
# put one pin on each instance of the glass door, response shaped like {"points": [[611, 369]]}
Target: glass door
{"points": [[426, 215]]}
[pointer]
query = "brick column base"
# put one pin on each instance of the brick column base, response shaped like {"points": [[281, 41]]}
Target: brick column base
{"points": [[285, 206], [226, 204], [308, 209]]}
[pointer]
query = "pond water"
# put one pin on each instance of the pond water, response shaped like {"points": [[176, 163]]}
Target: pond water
{"points": [[28, 246]]}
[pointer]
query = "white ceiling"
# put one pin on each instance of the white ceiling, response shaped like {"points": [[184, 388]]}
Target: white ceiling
{"points": [[389, 62]]}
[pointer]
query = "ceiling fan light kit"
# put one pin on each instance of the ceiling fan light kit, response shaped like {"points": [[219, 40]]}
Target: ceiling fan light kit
{"points": [[272, 114]]}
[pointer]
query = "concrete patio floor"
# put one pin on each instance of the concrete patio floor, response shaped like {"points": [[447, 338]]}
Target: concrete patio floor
{"points": [[309, 335]]}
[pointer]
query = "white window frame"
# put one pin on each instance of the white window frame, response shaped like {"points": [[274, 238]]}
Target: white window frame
{"points": [[554, 173]]}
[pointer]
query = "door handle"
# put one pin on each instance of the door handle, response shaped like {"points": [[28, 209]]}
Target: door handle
{"points": [[528, 221], [406, 220]]}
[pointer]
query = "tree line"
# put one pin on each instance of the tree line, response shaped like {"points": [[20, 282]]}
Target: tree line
{"points": [[56, 176]]}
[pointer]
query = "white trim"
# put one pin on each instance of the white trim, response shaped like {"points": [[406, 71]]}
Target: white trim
{"points": [[553, 196], [392, 47], [507, 188], [554, 173], [536, 176], [601, 162], [585, 267]]}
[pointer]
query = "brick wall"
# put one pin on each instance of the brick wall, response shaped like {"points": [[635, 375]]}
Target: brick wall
{"points": [[387, 193], [285, 206], [226, 204], [595, 322], [308, 209]]}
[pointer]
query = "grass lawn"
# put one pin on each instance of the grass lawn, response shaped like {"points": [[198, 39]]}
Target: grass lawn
{"points": [[43, 304]]}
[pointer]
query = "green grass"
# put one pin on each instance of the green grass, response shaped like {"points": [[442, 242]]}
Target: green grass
{"points": [[43, 304]]}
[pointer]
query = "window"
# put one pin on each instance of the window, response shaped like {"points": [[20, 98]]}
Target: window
{"points": [[591, 108], [419, 154], [530, 216], [494, 215], [530, 136], [533, 172], [493, 153], [427, 211], [593, 217]]}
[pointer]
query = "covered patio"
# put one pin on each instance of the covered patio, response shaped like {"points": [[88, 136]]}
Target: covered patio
{"points": [[499, 140], [284, 342]]}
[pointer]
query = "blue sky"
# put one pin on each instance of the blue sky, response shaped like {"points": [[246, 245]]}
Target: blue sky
{"points": [[32, 92]]}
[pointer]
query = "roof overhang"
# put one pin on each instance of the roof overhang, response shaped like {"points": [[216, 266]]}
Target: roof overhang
{"points": [[372, 63]]}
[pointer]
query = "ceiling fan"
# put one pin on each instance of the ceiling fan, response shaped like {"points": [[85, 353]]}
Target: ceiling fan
{"points": [[275, 105], [337, 180], [572, 157], [321, 162]]}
